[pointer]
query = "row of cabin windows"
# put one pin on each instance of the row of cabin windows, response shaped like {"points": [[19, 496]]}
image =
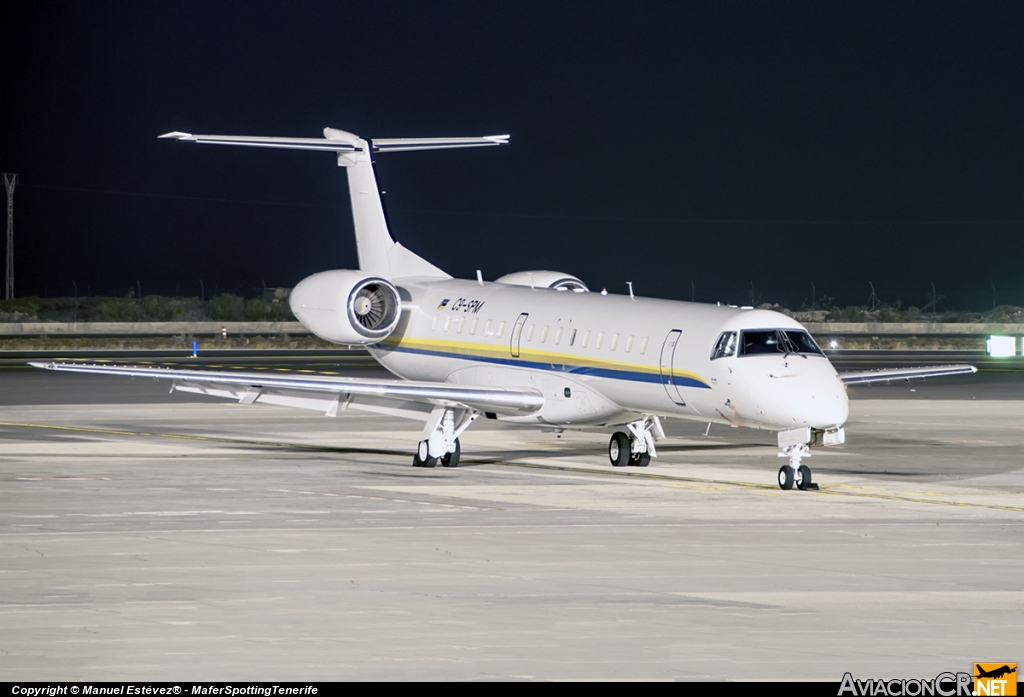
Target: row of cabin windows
{"points": [[456, 325]]}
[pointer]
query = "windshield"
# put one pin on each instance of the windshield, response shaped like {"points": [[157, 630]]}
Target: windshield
{"points": [[761, 341], [802, 342]]}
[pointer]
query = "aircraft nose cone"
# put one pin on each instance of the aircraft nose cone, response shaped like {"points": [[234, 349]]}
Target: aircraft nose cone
{"points": [[813, 398]]}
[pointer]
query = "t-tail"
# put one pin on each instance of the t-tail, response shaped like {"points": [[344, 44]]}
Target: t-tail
{"points": [[379, 254]]}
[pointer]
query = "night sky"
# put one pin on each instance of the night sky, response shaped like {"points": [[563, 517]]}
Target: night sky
{"points": [[722, 144]]}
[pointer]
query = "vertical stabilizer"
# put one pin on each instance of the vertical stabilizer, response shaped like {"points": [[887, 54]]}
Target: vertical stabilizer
{"points": [[379, 254]]}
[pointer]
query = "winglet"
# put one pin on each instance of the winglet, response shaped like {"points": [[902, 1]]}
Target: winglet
{"points": [[177, 135]]}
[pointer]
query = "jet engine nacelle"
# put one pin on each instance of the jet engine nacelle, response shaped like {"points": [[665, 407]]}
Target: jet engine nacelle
{"points": [[347, 307], [545, 279]]}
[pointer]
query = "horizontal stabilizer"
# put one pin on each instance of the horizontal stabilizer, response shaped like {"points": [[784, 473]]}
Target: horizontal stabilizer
{"points": [[341, 142], [259, 142], [399, 144], [890, 374]]}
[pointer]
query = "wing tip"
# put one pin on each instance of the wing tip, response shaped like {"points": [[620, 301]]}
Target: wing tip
{"points": [[176, 135]]}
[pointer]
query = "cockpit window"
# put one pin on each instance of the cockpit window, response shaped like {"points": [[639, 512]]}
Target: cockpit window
{"points": [[725, 347], [758, 342], [802, 342], [785, 341]]}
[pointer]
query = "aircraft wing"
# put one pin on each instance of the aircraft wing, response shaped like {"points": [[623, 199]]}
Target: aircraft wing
{"points": [[326, 393], [889, 374]]}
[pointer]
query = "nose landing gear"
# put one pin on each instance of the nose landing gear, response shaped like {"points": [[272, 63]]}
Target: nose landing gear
{"points": [[794, 472]]}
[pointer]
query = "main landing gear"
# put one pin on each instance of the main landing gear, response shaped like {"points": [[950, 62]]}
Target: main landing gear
{"points": [[440, 442], [636, 448]]}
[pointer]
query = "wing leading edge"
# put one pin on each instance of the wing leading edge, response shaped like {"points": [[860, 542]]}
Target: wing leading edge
{"points": [[887, 375], [325, 393]]}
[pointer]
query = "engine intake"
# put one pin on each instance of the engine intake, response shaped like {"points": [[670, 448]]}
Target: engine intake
{"points": [[347, 307]]}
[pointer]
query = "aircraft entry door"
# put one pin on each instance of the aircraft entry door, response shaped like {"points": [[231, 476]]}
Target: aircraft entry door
{"points": [[517, 333], [668, 353]]}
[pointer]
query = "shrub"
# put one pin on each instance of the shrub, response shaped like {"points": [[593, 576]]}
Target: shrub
{"points": [[889, 314], [226, 307], [26, 306], [119, 310], [157, 308], [256, 310]]}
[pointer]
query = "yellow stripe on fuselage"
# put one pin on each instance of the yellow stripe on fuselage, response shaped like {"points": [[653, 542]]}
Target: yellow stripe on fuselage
{"points": [[461, 349]]}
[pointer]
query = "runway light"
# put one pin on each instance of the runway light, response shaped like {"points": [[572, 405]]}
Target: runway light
{"points": [[1001, 346]]}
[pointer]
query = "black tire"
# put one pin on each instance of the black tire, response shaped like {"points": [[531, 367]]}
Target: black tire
{"points": [[618, 449], [639, 459], [786, 477], [452, 459], [426, 461], [803, 478]]}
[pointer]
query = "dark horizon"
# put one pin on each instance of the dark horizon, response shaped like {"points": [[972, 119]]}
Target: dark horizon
{"points": [[716, 144]]}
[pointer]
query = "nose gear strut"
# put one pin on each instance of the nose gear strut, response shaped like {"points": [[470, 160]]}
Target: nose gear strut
{"points": [[794, 472]]}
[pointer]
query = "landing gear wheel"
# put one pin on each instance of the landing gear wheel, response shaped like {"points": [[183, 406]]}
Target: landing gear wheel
{"points": [[803, 478], [618, 449], [639, 459], [786, 477], [422, 457], [452, 459]]}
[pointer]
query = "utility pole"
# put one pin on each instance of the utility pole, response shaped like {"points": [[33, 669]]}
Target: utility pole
{"points": [[10, 180]]}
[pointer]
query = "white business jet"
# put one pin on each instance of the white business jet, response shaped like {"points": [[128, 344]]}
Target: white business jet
{"points": [[534, 348]]}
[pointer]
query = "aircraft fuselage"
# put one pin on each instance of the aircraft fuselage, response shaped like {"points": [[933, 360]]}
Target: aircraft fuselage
{"points": [[601, 359]]}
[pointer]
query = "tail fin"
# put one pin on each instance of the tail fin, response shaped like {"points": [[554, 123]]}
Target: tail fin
{"points": [[379, 254]]}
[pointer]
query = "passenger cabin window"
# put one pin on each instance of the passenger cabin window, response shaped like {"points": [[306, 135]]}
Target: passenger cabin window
{"points": [[785, 341], [600, 337], [643, 344], [529, 332], [544, 334], [501, 328], [472, 327], [572, 337], [615, 341], [447, 324], [558, 336], [433, 324], [458, 324], [725, 347], [586, 338], [629, 343], [487, 328]]}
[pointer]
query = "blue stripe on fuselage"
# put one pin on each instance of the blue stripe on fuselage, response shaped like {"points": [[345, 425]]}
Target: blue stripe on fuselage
{"points": [[631, 375]]}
